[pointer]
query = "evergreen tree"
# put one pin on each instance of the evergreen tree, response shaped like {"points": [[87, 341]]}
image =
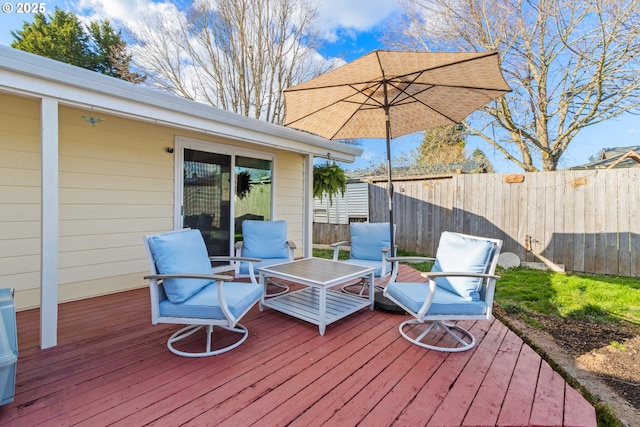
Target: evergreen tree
{"points": [[62, 37]]}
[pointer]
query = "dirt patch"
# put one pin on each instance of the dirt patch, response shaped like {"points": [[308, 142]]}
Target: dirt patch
{"points": [[602, 357]]}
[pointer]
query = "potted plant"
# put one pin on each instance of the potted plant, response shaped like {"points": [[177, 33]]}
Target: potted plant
{"points": [[329, 179]]}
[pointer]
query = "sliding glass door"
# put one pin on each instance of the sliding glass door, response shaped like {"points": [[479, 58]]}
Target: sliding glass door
{"points": [[220, 187], [206, 198]]}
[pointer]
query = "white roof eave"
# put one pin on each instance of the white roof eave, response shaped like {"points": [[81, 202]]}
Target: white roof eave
{"points": [[36, 76]]}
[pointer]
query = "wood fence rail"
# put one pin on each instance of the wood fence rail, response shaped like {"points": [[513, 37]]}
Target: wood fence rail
{"points": [[588, 221]]}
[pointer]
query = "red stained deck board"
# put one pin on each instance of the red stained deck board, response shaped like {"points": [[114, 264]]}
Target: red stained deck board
{"points": [[426, 402], [316, 400], [577, 411], [180, 399], [548, 404], [288, 382], [464, 390], [486, 406], [516, 407], [361, 395]]}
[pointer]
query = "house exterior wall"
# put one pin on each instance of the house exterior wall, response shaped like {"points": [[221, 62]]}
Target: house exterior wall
{"points": [[20, 196], [116, 184]]}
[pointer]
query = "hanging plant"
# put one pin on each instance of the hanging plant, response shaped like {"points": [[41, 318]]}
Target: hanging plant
{"points": [[328, 178], [243, 184]]}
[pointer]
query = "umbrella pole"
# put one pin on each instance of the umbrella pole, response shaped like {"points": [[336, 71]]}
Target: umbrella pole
{"points": [[389, 177]]}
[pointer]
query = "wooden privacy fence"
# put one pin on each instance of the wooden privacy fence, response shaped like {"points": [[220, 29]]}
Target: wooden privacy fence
{"points": [[586, 220]]}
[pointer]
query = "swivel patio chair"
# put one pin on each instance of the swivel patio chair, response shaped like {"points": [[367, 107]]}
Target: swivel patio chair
{"points": [[266, 240], [370, 245], [460, 286], [185, 291]]}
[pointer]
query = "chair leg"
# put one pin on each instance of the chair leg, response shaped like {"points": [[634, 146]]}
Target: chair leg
{"points": [[191, 329], [283, 289], [360, 286], [465, 339]]}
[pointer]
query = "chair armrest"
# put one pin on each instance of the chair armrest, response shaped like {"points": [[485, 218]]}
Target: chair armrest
{"points": [[410, 259], [238, 245], [235, 258], [219, 277], [345, 242], [457, 274], [292, 244]]}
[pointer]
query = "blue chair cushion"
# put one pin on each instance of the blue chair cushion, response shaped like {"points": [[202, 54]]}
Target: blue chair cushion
{"points": [[372, 264], [205, 304], [181, 252], [368, 239], [413, 296], [457, 253], [244, 267], [264, 239]]}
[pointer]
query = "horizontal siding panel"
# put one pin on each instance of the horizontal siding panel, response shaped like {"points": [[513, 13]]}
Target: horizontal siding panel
{"points": [[19, 264], [19, 177], [114, 167], [91, 242], [103, 271], [107, 211], [19, 247], [19, 194], [104, 226], [72, 180], [20, 212], [112, 197], [100, 256], [19, 230]]}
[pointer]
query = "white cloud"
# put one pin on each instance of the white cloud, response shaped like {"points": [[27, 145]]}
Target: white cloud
{"points": [[359, 15]]}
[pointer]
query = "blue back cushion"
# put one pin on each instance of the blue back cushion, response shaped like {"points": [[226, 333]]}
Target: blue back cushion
{"points": [[264, 239], [368, 239], [181, 252], [461, 254]]}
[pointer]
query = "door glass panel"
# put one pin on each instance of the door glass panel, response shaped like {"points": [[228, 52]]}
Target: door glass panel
{"points": [[206, 198], [253, 191]]}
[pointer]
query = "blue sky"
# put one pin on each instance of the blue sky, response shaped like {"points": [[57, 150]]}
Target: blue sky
{"points": [[351, 29]]}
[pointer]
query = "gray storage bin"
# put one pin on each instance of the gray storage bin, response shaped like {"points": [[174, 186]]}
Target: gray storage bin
{"points": [[8, 346]]}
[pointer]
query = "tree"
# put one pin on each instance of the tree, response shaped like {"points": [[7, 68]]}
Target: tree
{"points": [[441, 146], [61, 36], [570, 64], [237, 55]]}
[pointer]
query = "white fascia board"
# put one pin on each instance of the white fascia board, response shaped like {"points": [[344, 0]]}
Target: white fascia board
{"points": [[33, 75]]}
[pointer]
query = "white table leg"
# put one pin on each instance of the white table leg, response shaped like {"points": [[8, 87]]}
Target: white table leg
{"points": [[372, 291], [263, 283], [323, 310]]}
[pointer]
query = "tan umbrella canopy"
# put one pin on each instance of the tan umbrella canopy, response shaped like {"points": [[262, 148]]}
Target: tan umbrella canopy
{"points": [[386, 94]]}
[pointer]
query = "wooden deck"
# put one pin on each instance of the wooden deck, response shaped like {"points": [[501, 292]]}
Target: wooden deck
{"points": [[112, 367]]}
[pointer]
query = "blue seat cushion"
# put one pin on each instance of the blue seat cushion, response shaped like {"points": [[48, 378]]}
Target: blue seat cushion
{"points": [[458, 253], [181, 252], [368, 239], [244, 267], [372, 264], [264, 239], [205, 304], [413, 295]]}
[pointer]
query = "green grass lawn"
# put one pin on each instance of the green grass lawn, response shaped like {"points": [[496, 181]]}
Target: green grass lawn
{"points": [[523, 290]]}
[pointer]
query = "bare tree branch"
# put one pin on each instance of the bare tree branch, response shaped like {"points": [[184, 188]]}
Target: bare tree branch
{"points": [[238, 55], [570, 64]]}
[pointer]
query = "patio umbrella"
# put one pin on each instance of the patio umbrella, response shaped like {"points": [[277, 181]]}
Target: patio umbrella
{"points": [[387, 94]]}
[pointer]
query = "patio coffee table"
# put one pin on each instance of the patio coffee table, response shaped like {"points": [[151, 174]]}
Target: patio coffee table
{"points": [[316, 303]]}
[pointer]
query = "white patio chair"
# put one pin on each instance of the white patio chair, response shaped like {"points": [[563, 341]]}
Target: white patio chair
{"points": [[460, 286], [370, 245], [185, 291], [266, 240]]}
